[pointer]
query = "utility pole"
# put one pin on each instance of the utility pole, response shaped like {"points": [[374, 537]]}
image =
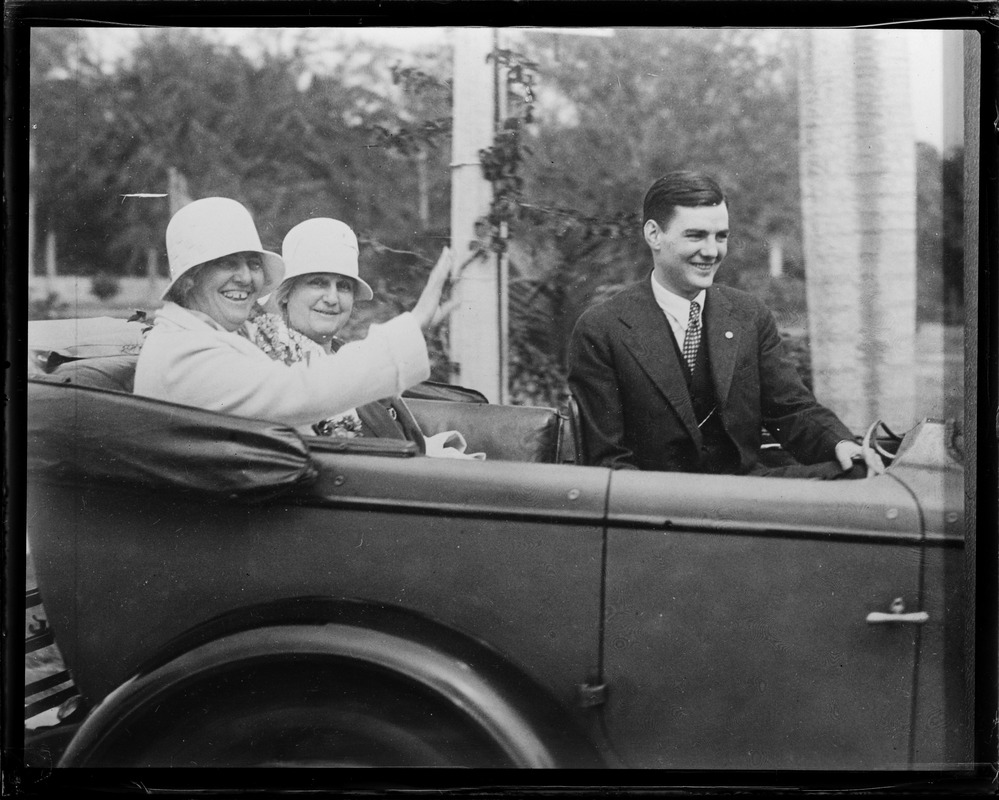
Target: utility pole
{"points": [[31, 211], [177, 190], [478, 323]]}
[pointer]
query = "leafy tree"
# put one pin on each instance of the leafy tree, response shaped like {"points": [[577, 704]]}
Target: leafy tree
{"points": [[648, 101], [613, 114], [929, 240], [270, 132], [953, 237], [940, 235], [282, 129], [616, 113], [361, 134], [63, 71]]}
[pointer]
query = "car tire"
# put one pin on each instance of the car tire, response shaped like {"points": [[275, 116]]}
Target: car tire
{"points": [[298, 714]]}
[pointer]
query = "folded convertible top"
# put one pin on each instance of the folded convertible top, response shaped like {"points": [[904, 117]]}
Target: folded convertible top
{"points": [[78, 434]]}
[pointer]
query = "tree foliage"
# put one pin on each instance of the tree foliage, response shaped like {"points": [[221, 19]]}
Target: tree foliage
{"points": [[287, 142], [616, 113], [364, 137]]}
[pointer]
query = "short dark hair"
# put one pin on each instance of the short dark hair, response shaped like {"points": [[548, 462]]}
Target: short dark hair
{"points": [[681, 188]]}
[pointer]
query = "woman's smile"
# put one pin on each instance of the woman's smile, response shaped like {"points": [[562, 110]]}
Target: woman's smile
{"points": [[319, 305], [327, 312], [236, 295], [226, 288]]}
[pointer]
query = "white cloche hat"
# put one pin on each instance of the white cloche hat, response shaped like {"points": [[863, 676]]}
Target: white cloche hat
{"points": [[322, 244], [211, 228]]}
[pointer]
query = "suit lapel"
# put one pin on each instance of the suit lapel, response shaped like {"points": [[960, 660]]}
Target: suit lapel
{"points": [[649, 339], [724, 333]]}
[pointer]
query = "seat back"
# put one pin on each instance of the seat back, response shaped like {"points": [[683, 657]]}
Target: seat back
{"points": [[113, 373], [503, 433], [435, 390]]}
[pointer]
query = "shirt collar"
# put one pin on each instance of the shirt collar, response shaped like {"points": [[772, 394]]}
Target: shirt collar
{"points": [[673, 305]]}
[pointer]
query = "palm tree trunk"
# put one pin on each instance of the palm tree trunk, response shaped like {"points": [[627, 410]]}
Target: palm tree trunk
{"points": [[858, 186]]}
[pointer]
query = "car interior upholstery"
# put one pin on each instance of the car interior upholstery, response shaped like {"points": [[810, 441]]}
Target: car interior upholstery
{"points": [[504, 433]]}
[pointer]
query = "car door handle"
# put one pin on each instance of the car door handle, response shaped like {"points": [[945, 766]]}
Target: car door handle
{"points": [[897, 614], [912, 618]]}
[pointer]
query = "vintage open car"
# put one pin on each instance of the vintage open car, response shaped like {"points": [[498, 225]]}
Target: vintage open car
{"points": [[228, 592]]}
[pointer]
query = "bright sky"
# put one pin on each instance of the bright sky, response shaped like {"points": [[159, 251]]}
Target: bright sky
{"points": [[925, 62], [926, 74]]}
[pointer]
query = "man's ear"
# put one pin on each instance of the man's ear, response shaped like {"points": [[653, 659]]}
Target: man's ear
{"points": [[652, 231]]}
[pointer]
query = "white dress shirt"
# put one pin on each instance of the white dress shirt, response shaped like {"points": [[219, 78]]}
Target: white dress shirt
{"points": [[677, 309]]}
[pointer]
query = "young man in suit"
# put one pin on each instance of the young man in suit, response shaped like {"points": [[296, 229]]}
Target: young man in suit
{"points": [[676, 373]]}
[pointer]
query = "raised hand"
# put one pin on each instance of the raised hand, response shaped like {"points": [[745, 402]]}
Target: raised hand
{"points": [[428, 309]]}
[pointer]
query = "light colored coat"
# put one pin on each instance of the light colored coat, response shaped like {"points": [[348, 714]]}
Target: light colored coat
{"points": [[188, 360]]}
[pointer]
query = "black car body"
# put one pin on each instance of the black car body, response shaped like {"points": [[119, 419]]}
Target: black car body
{"points": [[227, 592]]}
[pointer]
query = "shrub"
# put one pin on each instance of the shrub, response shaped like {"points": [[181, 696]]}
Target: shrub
{"points": [[50, 306], [536, 377], [104, 286], [797, 347]]}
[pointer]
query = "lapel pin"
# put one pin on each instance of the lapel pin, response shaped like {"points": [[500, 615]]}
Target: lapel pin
{"points": [[728, 334]]}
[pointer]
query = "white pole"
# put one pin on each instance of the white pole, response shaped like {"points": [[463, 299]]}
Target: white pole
{"points": [[152, 276], [50, 260], [31, 212], [502, 259], [775, 255], [476, 347]]}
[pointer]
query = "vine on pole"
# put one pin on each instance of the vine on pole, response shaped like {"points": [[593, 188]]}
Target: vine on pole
{"points": [[536, 375], [502, 164]]}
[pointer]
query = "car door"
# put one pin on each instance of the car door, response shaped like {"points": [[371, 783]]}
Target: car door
{"points": [[930, 466], [737, 632]]}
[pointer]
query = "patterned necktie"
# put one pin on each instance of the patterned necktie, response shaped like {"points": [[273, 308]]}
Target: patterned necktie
{"points": [[692, 339]]}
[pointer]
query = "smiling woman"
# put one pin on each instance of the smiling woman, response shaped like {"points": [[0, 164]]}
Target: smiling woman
{"points": [[322, 303], [316, 300], [195, 356], [217, 264], [302, 317], [224, 288]]}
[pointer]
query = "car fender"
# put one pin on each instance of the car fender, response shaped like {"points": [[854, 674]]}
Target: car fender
{"points": [[530, 726]]}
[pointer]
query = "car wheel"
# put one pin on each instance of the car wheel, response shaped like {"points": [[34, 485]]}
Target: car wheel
{"points": [[298, 714]]}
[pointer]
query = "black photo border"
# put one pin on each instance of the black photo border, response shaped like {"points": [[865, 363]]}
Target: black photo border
{"points": [[981, 402]]}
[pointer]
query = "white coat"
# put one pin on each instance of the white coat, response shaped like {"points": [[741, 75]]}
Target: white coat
{"points": [[188, 360]]}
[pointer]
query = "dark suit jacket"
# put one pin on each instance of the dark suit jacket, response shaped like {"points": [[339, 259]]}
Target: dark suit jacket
{"points": [[635, 410]]}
